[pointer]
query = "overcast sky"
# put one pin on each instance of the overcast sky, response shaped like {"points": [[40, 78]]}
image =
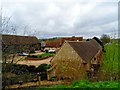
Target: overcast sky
{"points": [[57, 18]]}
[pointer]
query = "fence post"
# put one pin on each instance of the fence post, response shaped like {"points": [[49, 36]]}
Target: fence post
{"points": [[39, 79]]}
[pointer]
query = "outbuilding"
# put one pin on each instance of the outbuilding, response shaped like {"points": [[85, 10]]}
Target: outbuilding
{"points": [[76, 60]]}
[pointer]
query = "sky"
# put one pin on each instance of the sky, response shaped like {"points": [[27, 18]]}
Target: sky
{"points": [[62, 18]]}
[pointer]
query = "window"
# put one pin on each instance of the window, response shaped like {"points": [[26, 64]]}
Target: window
{"points": [[94, 59]]}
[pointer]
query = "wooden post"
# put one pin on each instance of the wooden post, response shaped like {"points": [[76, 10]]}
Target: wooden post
{"points": [[39, 79]]}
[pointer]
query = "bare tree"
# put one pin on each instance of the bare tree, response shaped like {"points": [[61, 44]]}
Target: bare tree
{"points": [[8, 51], [31, 32]]}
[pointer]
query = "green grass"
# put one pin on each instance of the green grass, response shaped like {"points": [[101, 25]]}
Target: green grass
{"points": [[86, 84], [42, 56], [110, 59], [45, 55]]}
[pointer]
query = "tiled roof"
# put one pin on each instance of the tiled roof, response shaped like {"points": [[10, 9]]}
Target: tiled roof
{"points": [[53, 44], [86, 50], [58, 42]]}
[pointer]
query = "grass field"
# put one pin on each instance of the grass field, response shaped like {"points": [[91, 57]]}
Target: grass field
{"points": [[110, 65]]}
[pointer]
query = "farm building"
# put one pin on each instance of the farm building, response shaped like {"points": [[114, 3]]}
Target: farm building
{"points": [[73, 38], [76, 60], [52, 45], [57, 43], [19, 43]]}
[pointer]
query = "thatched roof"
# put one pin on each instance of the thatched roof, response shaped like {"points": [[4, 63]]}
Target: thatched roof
{"points": [[19, 40], [86, 50]]}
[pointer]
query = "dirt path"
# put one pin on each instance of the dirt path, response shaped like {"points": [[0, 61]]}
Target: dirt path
{"points": [[36, 63], [34, 84], [37, 53]]}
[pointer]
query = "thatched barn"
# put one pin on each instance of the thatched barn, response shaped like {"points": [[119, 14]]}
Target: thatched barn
{"points": [[19, 43], [76, 60]]}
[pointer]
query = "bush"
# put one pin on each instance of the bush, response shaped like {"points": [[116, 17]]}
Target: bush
{"points": [[52, 78], [21, 69], [45, 55], [43, 70], [16, 68], [43, 67], [32, 51], [42, 56], [105, 38], [33, 56], [19, 79], [31, 68]]}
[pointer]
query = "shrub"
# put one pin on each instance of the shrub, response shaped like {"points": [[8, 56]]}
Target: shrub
{"points": [[43, 67], [16, 68], [52, 78], [105, 38], [33, 56], [31, 68], [42, 56], [32, 51], [45, 55]]}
